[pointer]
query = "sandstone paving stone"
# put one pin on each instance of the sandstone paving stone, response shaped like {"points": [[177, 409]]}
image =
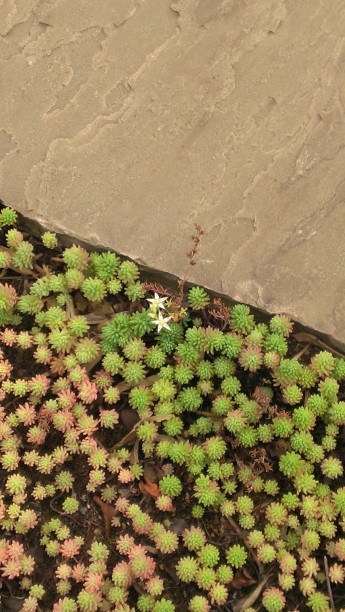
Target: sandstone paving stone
{"points": [[125, 122]]}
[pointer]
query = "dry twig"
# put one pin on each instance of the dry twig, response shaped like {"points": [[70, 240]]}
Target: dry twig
{"points": [[329, 588]]}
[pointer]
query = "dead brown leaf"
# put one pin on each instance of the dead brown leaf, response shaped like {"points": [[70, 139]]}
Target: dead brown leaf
{"points": [[242, 579], [129, 418], [178, 526], [88, 367], [164, 438], [101, 310], [150, 489], [152, 472], [147, 382], [134, 456], [127, 439], [108, 513], [310, 339], [131, 436], [248, 601], [81, 303], [10, 603], [279, 448]]}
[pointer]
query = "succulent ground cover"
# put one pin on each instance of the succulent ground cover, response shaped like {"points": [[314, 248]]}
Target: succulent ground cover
{"points": [[160, 452]]}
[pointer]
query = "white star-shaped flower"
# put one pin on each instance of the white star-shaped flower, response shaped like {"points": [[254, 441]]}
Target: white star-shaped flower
{"points": [[157, 302], [162, 322]]}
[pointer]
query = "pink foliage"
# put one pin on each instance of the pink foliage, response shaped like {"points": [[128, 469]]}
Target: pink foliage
{"points": [[93, 582], [125, 476], [124, 544], [12, 568], [59, 606], [67, 398], [103, 414], [164, 503], [26, 413], [63, 571], [141, 565], [36, 435], [63, 420], [41, 380], [8, 336], [2, 509], [70, 548], [78, 572], [5, 369], [122, 505], [87, 427], [122, 572], [87, 392]]}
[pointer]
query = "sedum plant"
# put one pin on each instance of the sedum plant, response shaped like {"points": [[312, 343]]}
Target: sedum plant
{"points": [[120, 398]]}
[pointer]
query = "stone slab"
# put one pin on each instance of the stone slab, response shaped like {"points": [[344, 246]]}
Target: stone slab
{"points": [[124, 123]]}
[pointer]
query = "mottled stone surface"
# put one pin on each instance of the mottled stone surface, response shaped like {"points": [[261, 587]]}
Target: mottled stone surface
{"points": [[125, 122]]}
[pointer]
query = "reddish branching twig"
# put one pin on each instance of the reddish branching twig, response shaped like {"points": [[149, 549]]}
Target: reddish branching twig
{"points": [[260, 459], [196, 243], [156, 288], [175, 299], [220, 311]]}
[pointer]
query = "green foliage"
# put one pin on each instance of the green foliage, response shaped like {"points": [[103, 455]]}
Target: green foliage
{"points": [[186, 569], [236, 556], [198, 298], [215, 448], [168, 340], [206, 491], [189, 399], [231, 386], [208, 555], [188, 353], [232, 344], [141, 323], [104, 404], [116, 333], [93, 289], [170, 485], [241, 319], [133, 372], [22, 256], [276, 343], [70, 505], [251, 358], [8, 216], [49, 240], [155, 358], [273, 600], [323, 363], [288, 372], [29, 304], [128, 272], [105, 265], [318, 602], [86, 350], [280, 324], [199, 603], [194, 538], [76, 257]]}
